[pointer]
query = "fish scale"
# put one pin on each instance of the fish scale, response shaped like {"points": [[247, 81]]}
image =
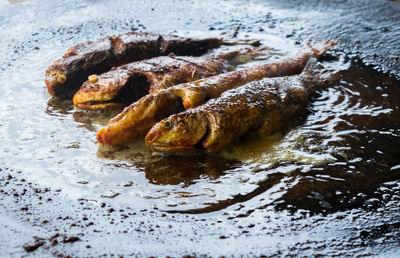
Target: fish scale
{"points": [[266, 105], [137, 119], [66, 75], [134, 80]]}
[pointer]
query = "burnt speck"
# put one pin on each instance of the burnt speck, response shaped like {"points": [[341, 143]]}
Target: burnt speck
{"points": [[32, 247], [328, 185], [54, 242], [70, 239]]}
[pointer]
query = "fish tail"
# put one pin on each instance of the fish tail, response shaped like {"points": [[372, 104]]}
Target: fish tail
{"points": [[244, 54], [316, 75], [318, 49]]}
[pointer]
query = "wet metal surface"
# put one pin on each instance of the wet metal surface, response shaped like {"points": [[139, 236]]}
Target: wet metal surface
{"points": [[327, 185]]}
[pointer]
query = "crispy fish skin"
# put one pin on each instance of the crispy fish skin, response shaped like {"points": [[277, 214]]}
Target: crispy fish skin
{"points": [[130, 82], [179, 132], [67, 74], [266, 105], [198, 92], [125, 84], [134, 122]]}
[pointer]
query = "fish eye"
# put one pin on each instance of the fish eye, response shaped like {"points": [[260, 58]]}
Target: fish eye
{"points": [[168, 125]]}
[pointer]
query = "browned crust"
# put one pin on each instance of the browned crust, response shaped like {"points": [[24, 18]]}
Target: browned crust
{"points": [[128, 83], [67, 74], [159, 72], [198, 92], [191, 128], [266, 105], [213, 87], [135, 120]]}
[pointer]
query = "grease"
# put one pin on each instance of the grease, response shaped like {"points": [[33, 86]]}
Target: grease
{"points": [[321, 139], [347, 207]]}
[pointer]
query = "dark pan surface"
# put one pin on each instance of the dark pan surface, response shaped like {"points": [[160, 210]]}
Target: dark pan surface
{"points": [[327, 186]]}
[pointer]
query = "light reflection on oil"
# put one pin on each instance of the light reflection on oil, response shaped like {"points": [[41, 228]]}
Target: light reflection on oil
{"points": [[344, 137]]}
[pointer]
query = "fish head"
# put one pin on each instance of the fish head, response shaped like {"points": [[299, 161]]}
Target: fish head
{"points": [[111, 90], [178, 133], [55, 80]]}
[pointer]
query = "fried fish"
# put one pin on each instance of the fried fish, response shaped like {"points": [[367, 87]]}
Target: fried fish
{"points": [[138, 118], [125, 84], [266, 106], [66, 75]]}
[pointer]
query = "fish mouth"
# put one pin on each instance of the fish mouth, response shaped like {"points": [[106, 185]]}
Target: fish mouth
{"points": [[174, 149], [99, 105], [116, 102], [112, 95], [159, 147], [154, 141]]}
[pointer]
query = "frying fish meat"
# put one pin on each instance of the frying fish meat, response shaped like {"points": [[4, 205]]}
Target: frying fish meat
{"points": [[266, 106], [125, 84], [136, 119], [66, 75]]}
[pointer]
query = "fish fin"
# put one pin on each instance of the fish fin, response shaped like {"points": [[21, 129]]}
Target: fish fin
{"points": [[315, 74], [320, 48]]}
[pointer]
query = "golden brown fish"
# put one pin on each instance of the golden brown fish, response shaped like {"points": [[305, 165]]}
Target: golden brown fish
{"points": [[266, 105], [66, 75], [125, 84], [139, 117]]}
